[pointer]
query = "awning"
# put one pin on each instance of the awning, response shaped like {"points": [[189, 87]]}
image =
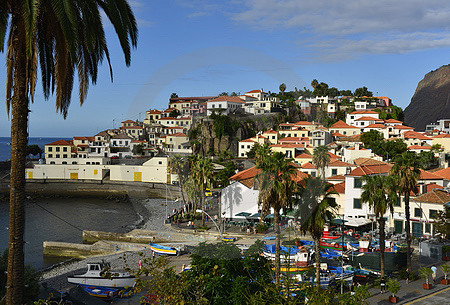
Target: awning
{"points": [[256, 215], [339, 221], [243, 214], [356, 222]]}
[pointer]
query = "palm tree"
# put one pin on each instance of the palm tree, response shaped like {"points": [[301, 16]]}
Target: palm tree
{"points": [[62, 37], [275, 191], [282, 88], [321, 159], [202, 171], [179, 166], [406, 169], [315, 208], [380, 193]]}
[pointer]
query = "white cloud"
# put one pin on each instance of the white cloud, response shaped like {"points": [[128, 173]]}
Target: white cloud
{"points": [[355, 26]]}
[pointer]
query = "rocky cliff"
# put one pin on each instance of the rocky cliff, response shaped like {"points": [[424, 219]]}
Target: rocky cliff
{"points": [[431, 101]]}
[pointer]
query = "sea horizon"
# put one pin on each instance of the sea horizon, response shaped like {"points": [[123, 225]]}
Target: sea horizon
{"points": [[5, 147]]}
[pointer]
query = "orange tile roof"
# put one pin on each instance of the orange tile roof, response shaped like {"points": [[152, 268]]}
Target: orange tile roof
{"points": [[61, 142], [393, 121], [178, 134], [154, 111], [288, 145], [444, 135], [369, 118], [444, 173], [225, 98], [367, 161], [168, 118], [303, 156], [341, 124], [298, 139], [309, 165], [132, 127], [426, 175], [333, 156], [270, 131], [364, 112], [248, 140], [303, 123], [419, 147], [414, 135], [339, 187], [247, 176], [129, 121], [402, 127], [435, 196], [170, 109], [375, 126], [337, 134], [337, 177], [339, 163], [370, 170], [430, 187], [255, 91]]}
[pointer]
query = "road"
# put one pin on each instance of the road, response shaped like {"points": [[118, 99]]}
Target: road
{"points": [[441, 297]]}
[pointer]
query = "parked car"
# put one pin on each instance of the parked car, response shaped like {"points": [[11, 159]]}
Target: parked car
{"points": [[208, 193]]}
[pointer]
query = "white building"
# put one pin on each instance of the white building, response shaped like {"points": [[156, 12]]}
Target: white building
{"points": [[353, 116], [224, 105]]}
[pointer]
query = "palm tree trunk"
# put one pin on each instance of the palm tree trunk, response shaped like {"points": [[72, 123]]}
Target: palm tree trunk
{"points": [[19, 135], [276, 219], [408, 231], [382, 239], [317, 250]]}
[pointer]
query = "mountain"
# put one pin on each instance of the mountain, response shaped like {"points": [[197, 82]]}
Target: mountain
{"points": [[431, 101]]}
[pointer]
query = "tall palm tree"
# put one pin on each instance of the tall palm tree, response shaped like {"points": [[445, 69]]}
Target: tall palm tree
{"points": [[179, 166], [407, 170], [315, 208], [275, 191], [321, 159], [380, 192], [62, 37], [202, 170]]}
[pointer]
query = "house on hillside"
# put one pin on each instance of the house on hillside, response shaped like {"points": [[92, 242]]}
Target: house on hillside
{"points": [[224, 105]]}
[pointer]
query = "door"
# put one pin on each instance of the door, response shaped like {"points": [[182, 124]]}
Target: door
{"points": [[74, 176], [138, 176], [417, 229], [398, 226], [30, 175]]}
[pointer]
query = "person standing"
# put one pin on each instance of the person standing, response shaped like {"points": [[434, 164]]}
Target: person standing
{"points": [[383, 285], [407, 276], [434, 269]]}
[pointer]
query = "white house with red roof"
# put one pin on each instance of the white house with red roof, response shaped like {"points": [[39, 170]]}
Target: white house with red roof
{"points": [[152, 116], [416, 138], [224, 105], [246, 145], [443, 140], [344, 129], [367, 120], [271, 135], [259, 102], [355, 115], [177, 143]]}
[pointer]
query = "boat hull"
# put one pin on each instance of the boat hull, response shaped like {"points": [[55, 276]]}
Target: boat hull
{"points": [[113, 282], [163, 249]]}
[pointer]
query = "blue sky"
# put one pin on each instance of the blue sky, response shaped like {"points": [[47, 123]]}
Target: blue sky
{"points": [[201, 47]]}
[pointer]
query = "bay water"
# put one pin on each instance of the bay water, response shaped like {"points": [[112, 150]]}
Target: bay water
{"points": [[5, 145]]}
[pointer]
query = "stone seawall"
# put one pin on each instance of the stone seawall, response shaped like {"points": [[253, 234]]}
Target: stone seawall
{"points": [[77, 188]]}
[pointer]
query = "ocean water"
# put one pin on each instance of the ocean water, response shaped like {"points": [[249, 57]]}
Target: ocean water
{"points": [[63, 219], [5, 147]]}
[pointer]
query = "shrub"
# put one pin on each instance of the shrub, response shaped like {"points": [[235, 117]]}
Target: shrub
{"points": [[393, 286], [261, 228]]}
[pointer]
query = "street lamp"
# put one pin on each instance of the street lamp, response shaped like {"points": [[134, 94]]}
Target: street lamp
{"points": [[218, 229]]}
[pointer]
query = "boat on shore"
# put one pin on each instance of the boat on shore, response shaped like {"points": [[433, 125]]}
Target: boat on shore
{"points": [[99, 275], [163, 250]]}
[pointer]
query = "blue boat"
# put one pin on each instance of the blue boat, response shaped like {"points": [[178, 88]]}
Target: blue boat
{"points": [[163, 250], [104, 293]]}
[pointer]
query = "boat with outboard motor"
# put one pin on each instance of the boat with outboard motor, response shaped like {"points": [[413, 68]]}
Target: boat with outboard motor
{"points": [[100, 275]]}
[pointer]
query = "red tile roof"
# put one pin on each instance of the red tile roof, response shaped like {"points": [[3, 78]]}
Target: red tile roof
{"points": [[288, 145], [248, 140], [337, 177], [337, 134], [370, 170], [303, 123], [255, 91], [339, 187], [402, 127], [270, 131], [154, 111], [61, 142], [430, 187], [393, 121], [426, 175], [444, 135], [341, 124], [414, 135], [309, 165], [419, 147], [128, 121], [369, 118], [364, 112], [339, 163], [444, 173], [367, 161], [225, 98], [375, 126], [178, 134], [303, 156], [435, 196]]}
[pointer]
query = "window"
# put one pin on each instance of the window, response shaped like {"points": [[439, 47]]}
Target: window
{"points": [[64, 156], [53, 162], [242, 146], [64, 162], [417, 212], [50, 148], [242, 155], [159, 162], [334, 172], [57, 148], [357, 203], [358, 183], [57, 156], [398, 203], [313, 174], [433, 214], [50, 155], [74, 162], [427, 228], [64, 148]]}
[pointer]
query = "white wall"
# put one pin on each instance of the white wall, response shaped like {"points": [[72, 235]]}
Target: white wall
{"points": [[238, 198]]}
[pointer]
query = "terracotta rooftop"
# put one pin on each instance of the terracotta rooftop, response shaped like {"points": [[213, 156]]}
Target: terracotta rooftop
{"points": [[402, 127], [419, 147], [370, 170], [393, 121], [339, 187], [339, 163], [444, 135], [303, 156], [270, 131], [121, 136], [364, 112], [444, 173], [430, 187], [178, 134], [375, 126], [342, 124], [225, 98], [435, 196], [337, 134], [61, 142], [337, 177], [368, 161], [426, 175], [415, 135], [303, 123], [248, 140], [255, 91], [288, 145], [154, 111], [369, 118], [309, 165], [128, 121]]}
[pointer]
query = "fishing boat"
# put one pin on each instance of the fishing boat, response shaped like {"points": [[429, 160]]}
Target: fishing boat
{"points": [[294, 269], [228, 239], [163, 250], [100, 275], [326, 278], [101, 292]]}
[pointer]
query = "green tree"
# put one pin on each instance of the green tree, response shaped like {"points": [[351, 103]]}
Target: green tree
{"points": [[175, 113], [315, 208], [275, 191], [61, 37], [138, 149], [406, 169], [180, 166], [34, 150], [223, 94], [282, 88], [174, 95], [345, 93], [202, 172], [222, 177], [380, 192], [442, 222], [363, 91], [321, 159]]}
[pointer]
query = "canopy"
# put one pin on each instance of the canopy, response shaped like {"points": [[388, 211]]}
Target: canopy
{"points": [[270, 216], [338, 221], [244, 214], [256, 215]]}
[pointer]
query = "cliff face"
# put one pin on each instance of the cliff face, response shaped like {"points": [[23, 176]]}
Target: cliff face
{"points": [[431, 101]]}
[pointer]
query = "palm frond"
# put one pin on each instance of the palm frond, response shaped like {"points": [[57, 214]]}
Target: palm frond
{"points": [[4, 15]]}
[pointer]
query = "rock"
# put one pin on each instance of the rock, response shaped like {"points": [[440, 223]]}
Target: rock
{"points": [[431, 101]]}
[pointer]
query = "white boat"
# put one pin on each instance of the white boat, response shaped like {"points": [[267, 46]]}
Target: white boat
{"points": [[99, 274]]}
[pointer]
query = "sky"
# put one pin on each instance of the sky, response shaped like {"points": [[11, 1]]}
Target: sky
{"points": [[203, 48]]}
